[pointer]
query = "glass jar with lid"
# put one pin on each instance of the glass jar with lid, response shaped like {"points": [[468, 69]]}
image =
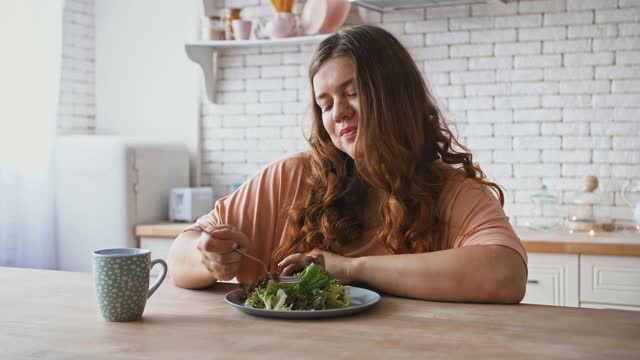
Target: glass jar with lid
{"points": [[583, 210], [213, 28], [546, 213]]}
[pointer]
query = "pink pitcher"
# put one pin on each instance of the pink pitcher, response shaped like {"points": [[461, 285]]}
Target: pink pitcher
{"points": [[283, 24]]}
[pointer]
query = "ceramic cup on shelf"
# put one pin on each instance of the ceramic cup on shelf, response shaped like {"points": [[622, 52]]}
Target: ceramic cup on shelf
{"points": [[121, 281], [241, 29], [232, 14]]}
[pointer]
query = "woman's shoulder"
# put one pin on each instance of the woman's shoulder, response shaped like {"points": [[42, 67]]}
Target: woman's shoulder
{"points": [[287, 169], [290, 161], [463, 184], [298, 158], [461, 190], [277, 177]]}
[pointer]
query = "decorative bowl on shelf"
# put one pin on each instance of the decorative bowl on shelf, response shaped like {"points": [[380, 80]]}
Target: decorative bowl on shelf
{"points": [[324, 16]]}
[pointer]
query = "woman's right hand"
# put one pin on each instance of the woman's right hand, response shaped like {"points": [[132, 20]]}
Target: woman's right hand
{"points": [[216, 245]]}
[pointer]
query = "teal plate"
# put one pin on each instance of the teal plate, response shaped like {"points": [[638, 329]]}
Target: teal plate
{"points": [[361, 299]]}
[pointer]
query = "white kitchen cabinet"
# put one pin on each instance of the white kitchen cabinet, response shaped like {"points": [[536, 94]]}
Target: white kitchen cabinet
{"points": [[159, 247], [608, 306], [613, 280], [552, 280]]}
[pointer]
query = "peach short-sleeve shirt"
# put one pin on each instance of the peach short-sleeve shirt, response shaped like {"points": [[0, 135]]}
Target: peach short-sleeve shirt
{"points": [[260, 209]]}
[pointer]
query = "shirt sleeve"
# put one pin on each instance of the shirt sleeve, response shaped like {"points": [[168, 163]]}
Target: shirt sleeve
{"points": [[475, 217], [258, 209]]}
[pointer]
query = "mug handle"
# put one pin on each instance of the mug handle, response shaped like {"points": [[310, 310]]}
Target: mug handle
{"points": [[159, 280]]}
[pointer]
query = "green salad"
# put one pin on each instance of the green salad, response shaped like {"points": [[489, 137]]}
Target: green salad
{"points": [[315, 291]]}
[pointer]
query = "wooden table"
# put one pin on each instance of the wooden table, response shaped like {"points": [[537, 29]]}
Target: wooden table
{"points": [[53, 315]]}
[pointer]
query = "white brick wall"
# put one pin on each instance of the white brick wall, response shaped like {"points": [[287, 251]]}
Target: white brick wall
{"points": [[77, 113], [542, 91]]}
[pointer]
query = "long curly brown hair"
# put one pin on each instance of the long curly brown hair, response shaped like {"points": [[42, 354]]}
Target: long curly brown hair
{"points": [[401, 134]]}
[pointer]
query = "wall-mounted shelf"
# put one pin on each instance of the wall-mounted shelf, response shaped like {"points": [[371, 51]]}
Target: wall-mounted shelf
{"points": [[205, 54], [388, 5]]}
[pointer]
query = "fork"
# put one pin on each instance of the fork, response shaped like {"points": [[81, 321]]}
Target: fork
{"points": [[240, 251], [283, 279]]}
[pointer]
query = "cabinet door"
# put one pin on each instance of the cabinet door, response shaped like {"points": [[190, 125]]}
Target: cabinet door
{"points": [[610, 279], [608, 306], [553, 279], [159, 248]]}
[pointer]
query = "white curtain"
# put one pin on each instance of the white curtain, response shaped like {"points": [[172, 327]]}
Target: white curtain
{"points": [[30, 66]]}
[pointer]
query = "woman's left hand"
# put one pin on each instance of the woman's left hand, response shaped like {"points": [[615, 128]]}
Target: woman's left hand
{"points": [[339, 267]]}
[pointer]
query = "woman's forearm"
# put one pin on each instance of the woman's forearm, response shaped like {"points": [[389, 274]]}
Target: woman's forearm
{"points": [[185, 267], [491, 273]]}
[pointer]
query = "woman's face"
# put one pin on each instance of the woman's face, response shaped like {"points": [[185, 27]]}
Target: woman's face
{"points": [[335, 90]]}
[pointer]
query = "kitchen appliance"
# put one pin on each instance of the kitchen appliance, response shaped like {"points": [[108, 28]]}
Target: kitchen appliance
{"points": [[105, 186], [188, 204]]}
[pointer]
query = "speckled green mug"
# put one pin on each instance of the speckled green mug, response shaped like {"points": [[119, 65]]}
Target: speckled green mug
{"points": [[121, 280]]}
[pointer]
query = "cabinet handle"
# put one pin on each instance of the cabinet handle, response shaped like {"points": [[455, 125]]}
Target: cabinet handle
{"points": [[533, 281]]}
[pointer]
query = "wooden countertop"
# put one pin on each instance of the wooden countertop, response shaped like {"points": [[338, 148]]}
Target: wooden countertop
{"points": [[625, 243], [168, 230], [53, 314]]}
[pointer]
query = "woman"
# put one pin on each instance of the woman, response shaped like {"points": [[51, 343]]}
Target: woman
{"points": [[385, 193]]}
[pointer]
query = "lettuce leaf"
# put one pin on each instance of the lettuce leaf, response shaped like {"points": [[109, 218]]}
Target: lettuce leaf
{"points": [[338, 295], [315, 291], [313, 278]]}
